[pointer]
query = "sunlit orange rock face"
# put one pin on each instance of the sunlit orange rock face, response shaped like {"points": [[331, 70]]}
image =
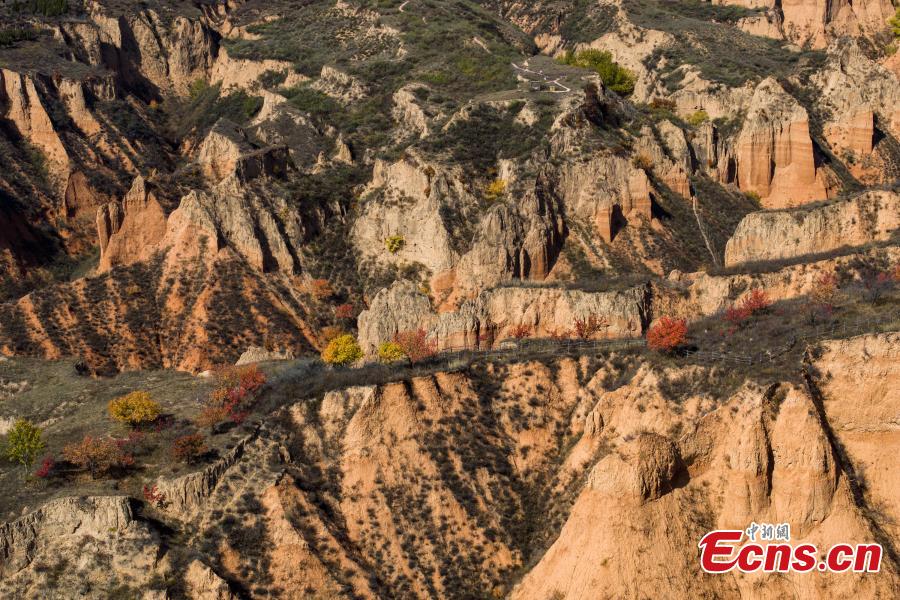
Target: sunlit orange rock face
{"points": [[774, 150]]}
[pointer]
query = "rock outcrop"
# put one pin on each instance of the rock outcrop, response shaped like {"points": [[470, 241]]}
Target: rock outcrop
{"points": [[646, 472], [862, 100], [774, 152], [255, 354], [766, 463], [497, 314], [813, 23], [696, 295], [860, 385], [226, 151], [22, 106], [130, 231], [607, 192], [854, 221], [76, 532], [408, 198]]}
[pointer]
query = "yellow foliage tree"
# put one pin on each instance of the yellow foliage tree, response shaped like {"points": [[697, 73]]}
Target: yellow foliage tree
{"points": [[389, 352], [134, 409], [495, 190], [342, 350]]}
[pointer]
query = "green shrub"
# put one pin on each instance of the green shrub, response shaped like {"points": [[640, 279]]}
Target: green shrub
{"points": [[614, 76], [48, 8], [698, 118], [10, 36], [894, 22], [205, 105], [389, 352], [23, 442], [394, 243], [342, 350]]}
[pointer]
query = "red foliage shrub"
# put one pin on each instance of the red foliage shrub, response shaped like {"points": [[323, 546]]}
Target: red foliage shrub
{"points": [[589, 327], [756, 301], [234, 396], [46, 468], [520, 332], [189, 448], [153, 496], [736, 315], [416, 345], [667, 334], [344, 311], [558, 335]]}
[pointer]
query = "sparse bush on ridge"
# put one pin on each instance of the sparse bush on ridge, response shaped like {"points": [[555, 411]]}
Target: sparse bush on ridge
{"points": [[589, 326], [520, 332], [13, 35], [343, 311], [134, 409], [234, 396], [642, 161], [495, 190], [757, 301], [697, 118], [342, 350]]}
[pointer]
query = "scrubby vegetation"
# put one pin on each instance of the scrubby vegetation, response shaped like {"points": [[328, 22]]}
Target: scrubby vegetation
{"points": [[48, 8], [394, 243], [189, 448], [495, 190], [488, 134], [416, 345], [235, 394], [13, 35], [722, 54], [205, 105], [614, 76]]}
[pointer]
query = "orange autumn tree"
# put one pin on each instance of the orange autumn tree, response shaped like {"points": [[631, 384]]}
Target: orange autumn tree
{"points": [[97, 454], [667, 334], [416, 345]]}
